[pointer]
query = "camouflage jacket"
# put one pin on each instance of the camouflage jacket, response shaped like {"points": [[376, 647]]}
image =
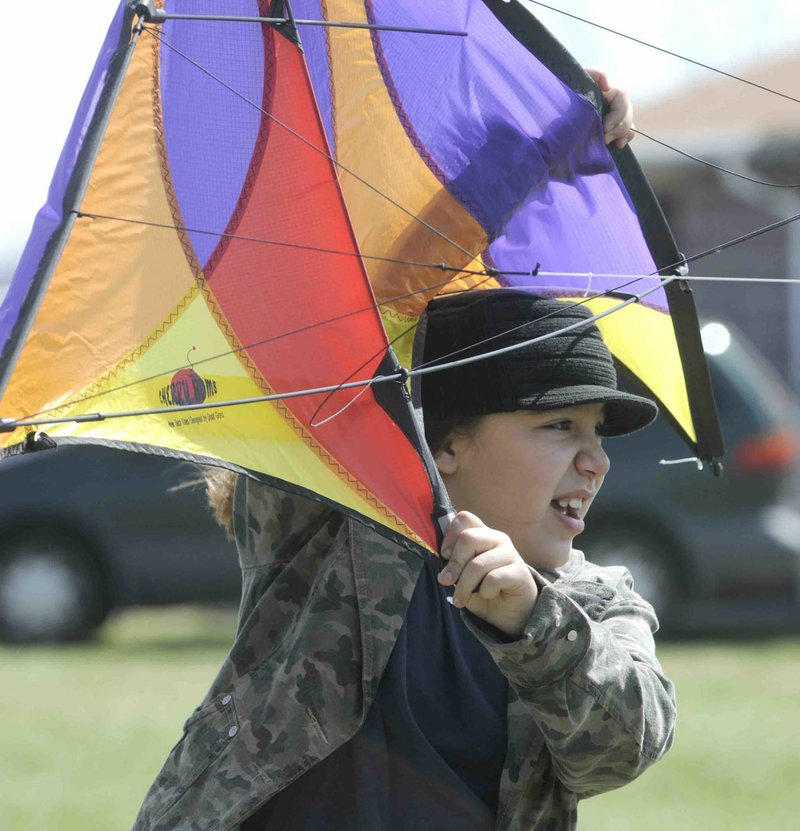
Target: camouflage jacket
{"points": [[323, 602]]}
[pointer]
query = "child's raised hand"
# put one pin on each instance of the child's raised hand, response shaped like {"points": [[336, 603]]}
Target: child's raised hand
{"points": [[490, 577], [618, 122]]}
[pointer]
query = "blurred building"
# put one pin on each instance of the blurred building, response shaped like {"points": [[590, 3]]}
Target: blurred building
{"points": [[756, 133]]}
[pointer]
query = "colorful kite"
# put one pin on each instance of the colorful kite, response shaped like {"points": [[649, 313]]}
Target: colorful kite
{"points": [[251, 208]]}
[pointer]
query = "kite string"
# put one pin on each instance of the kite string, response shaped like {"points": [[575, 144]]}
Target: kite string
{"points": [[373, 380], [672, 267], [485, 271], [30, 420], [743, 238], [376, 355], [351, 172], [689, 278], [789, 280], [697, 63], [667, 51], [332, 159], [711, 164]]}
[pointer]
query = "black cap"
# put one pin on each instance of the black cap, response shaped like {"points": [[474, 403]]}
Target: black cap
{"points": [[565, 370]]}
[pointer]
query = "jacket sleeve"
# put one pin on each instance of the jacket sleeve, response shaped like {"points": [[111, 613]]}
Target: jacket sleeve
{"points": [[586, 669]]}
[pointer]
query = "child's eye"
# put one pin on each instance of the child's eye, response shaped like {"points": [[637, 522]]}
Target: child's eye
{"points": [[565, 424]]}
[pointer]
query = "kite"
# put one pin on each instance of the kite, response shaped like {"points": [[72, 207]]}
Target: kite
{"points": [[256, 202]]}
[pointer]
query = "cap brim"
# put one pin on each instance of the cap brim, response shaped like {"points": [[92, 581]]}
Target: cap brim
{"points": [[624, 413]]}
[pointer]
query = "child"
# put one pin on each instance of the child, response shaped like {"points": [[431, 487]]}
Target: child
{"points": [[372, 687]]}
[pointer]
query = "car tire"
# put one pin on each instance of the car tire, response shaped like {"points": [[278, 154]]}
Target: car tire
{"points": [[50, 589], [653, 565]]}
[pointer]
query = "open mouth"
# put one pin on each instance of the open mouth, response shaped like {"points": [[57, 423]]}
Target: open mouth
{"points": [[568, 507]]}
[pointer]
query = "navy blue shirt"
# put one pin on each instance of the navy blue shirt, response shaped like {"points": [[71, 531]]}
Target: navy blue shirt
{"points": [[431, 750]]}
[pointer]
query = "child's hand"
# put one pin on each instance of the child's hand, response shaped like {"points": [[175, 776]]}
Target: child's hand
{"points": [[490, 577], [618, 123]]}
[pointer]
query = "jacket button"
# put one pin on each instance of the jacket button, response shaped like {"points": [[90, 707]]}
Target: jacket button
{"points": [[572, 635], [233, 731], [226, 700]]}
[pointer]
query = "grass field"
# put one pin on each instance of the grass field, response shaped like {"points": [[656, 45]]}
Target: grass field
{"points": [[83, 729]]}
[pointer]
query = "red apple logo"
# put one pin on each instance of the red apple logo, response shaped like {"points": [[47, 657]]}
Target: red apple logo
{"points": [[187, 387]]}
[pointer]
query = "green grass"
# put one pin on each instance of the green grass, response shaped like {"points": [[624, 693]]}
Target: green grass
{"points": [[84, 729], [735, 763]]}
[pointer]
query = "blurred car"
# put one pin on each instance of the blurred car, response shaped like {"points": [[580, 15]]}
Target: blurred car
{"points": [[84, 530], [87, 530]]}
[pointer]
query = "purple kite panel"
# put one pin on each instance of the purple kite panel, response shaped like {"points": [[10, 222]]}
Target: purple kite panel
{"points": [[521, 151], [212, 81]]}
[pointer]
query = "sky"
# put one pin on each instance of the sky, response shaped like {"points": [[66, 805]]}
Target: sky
{"points": [[47, 53]]}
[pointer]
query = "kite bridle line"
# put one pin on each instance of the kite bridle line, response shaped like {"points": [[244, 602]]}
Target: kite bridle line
{"points": [[679, 265], [713, 166], [29, 420], [485, 271], [9, 425], [665, 51]]}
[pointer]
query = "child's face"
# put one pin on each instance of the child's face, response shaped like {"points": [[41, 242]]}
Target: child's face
{"points": [[513, 469]]}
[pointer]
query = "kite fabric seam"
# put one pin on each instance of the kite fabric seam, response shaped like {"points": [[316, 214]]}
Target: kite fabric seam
{"points": [[411, 133], [258, 154], [306, 141]]}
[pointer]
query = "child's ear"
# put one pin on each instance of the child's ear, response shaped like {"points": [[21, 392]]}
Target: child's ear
{"points": [[446, 457]]}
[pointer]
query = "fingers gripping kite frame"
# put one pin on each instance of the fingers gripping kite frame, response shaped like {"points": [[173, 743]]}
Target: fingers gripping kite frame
{"points": [[235, 128]]}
